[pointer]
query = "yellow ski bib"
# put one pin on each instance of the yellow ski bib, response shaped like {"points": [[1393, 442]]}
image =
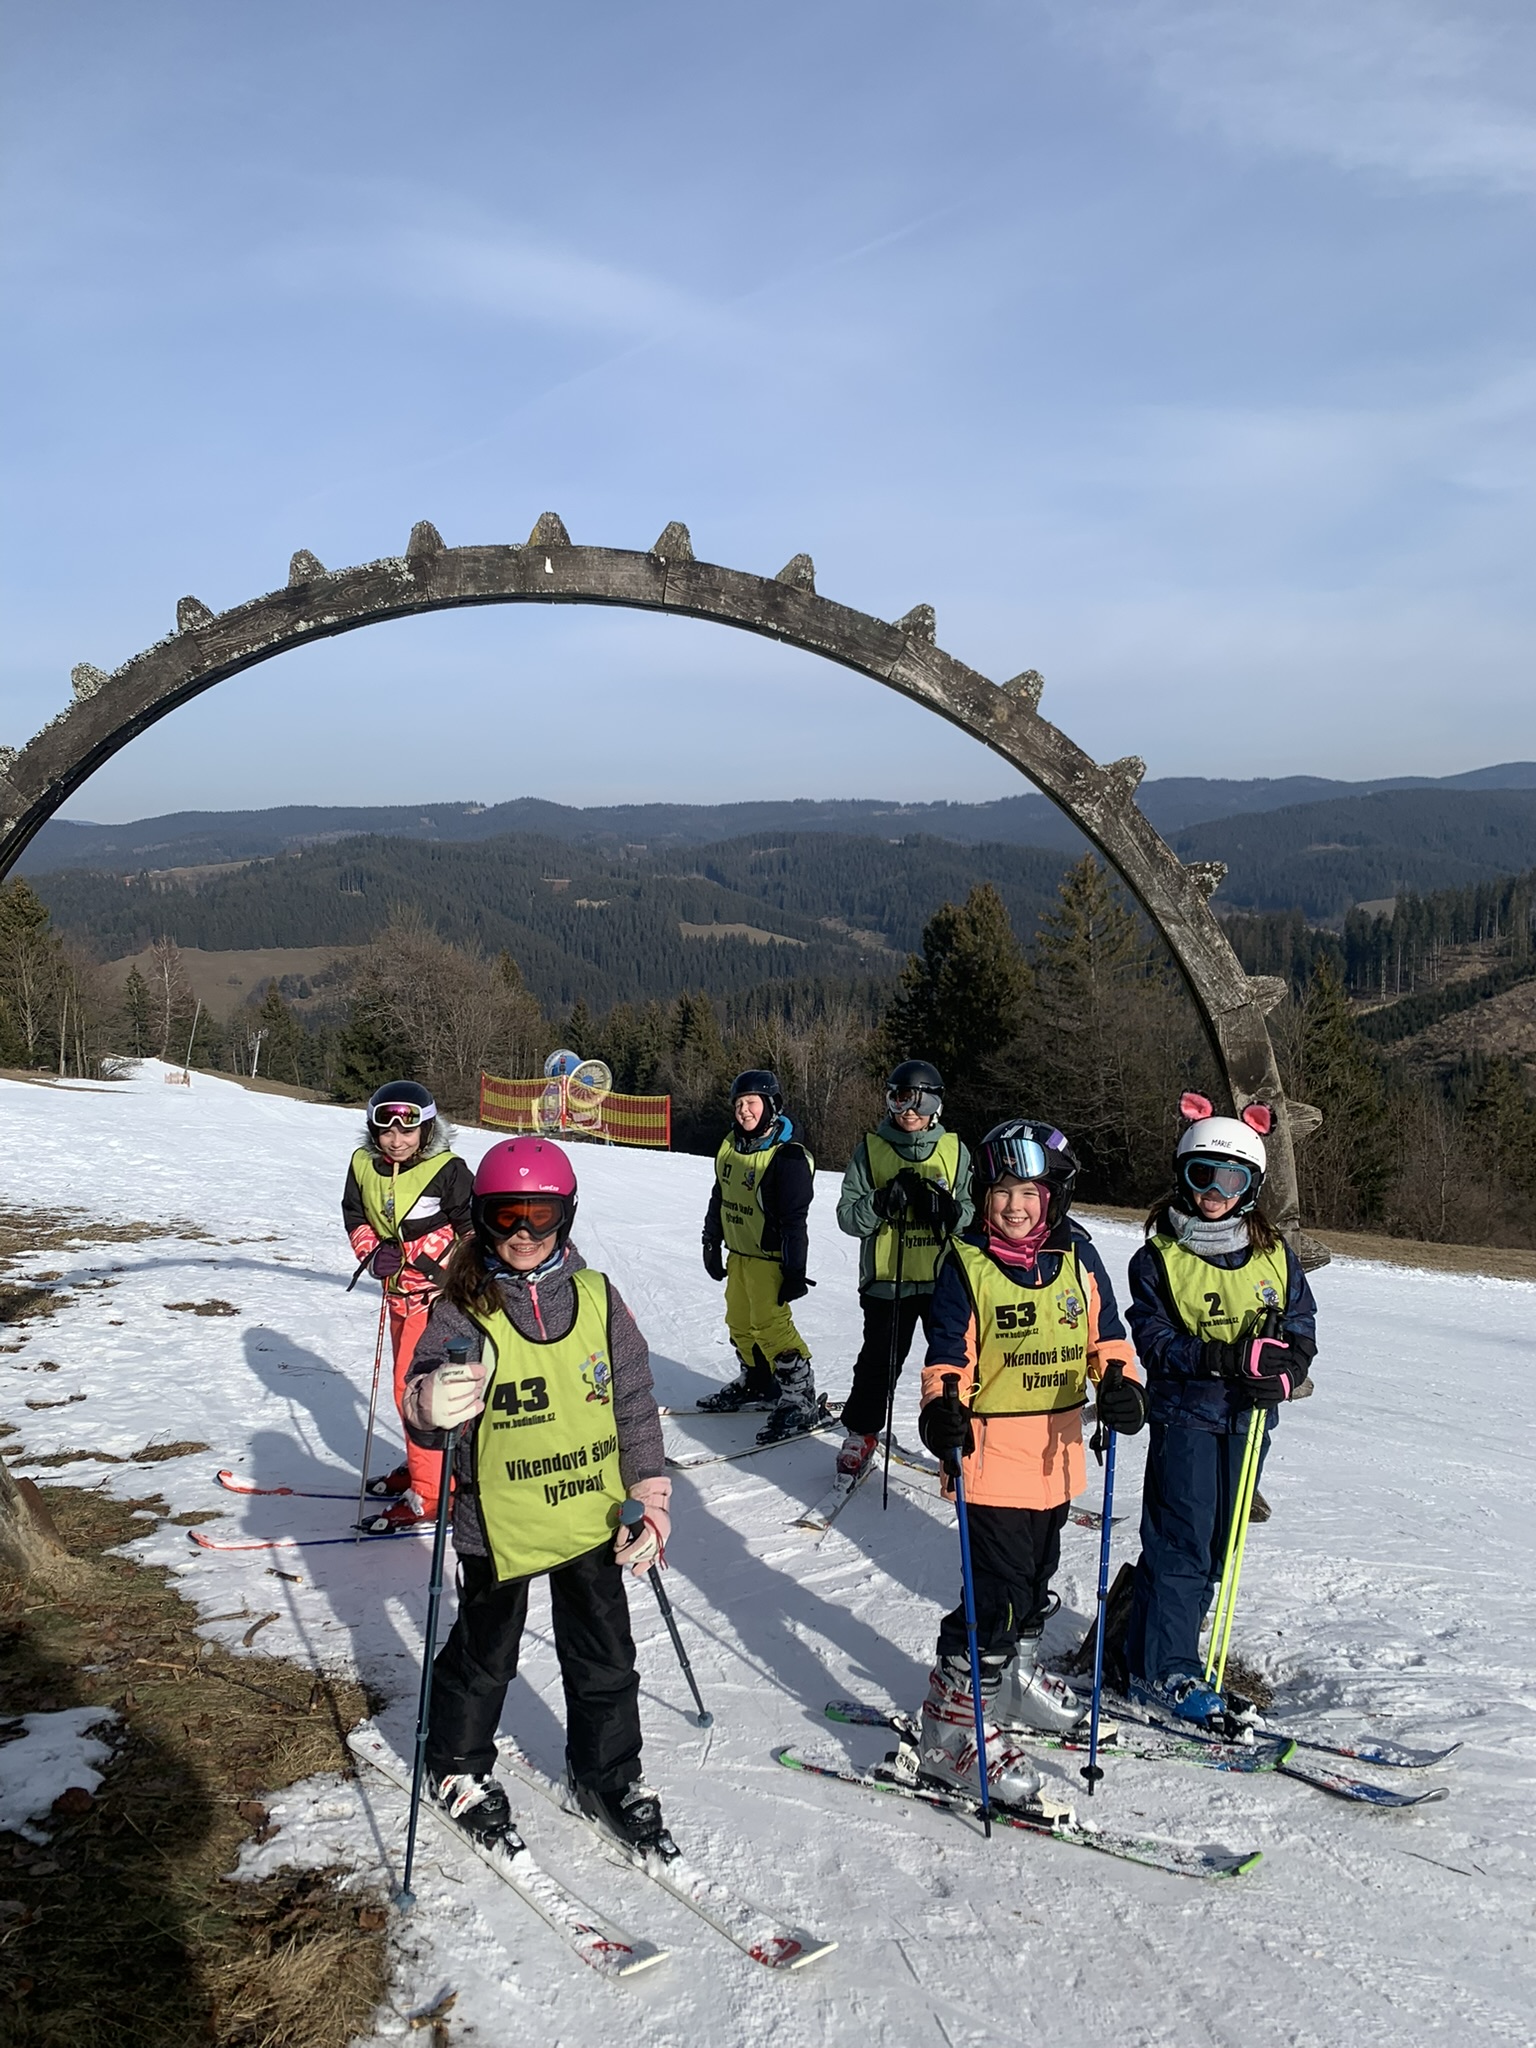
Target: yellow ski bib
{"points": [[388, 1198], [921, 1249], [546, 1450], [1031, 1342], [740, 1179], [1221, 1302]]}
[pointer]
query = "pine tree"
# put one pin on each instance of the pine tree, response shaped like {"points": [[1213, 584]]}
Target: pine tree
{"points": [[960, 1001], [136, 1012], [1345, 1168]]}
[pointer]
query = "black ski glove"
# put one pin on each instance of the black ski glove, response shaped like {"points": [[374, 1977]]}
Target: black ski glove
{"points": [[714, 1257], [792, 1286], [928, 1203], [945, 1427], [890, 1202], [1121, 1403], [1259, 1370]]}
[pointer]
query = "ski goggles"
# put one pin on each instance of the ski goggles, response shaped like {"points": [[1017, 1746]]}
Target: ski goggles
{"points": [[916, 1101], [1226, 1177], [1022, 1157], [502, 1216], [410, 1116]]}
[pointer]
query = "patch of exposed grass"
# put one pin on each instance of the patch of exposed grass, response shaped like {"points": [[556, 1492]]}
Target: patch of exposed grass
{"points": [[121, 1932], [152, 1454]]}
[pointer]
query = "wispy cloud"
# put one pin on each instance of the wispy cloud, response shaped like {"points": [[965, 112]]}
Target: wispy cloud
{"points": [[1428, 91]]}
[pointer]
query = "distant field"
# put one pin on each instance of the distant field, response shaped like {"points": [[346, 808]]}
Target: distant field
{"points": [[224, 980]]}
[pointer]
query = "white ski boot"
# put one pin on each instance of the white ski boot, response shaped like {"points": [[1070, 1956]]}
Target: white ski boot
{"points": [[947, 1740], [1032, 1701]]}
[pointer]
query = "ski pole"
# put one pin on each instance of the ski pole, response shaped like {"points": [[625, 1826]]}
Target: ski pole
{"points": [[1237, 1544], [1103, 1447], [405, 1898], [632, 1514], [968, 1599], [895, 1365], [373, 1406]]}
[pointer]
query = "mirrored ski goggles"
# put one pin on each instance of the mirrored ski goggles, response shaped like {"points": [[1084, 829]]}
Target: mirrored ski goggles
{"points": [[920, 1101], [1226, 1177], [526, 1215], [1021, 1157], [410, 1116]]}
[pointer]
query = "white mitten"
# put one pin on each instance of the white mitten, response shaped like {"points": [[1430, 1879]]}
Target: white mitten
{"points": [[452, 1394], [642, 1546]]}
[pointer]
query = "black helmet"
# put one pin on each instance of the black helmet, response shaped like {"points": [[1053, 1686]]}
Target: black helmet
{"points": [[759, 1081], [405, 1103], [921, 1086], [1029, 1150]]}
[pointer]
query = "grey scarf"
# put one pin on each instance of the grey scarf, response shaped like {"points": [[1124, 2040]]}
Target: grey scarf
{"points": [[1209, 1240]]}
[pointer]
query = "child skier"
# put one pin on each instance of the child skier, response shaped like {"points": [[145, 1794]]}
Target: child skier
{"points": [[907, 1188], [1202, 1289], [406, 1198], [559, 1378], [764, 1181], [1024, 1317]]}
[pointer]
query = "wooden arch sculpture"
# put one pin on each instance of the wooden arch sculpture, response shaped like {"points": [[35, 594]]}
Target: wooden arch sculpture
{"points": [[110, 710]]}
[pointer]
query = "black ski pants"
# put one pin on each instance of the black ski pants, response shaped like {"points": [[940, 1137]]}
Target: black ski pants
{"points": [[1014, 1555], [864, 1409], [597, 1668]]}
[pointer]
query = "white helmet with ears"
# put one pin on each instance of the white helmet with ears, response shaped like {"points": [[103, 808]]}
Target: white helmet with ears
{"points": [[1236, 1138]]}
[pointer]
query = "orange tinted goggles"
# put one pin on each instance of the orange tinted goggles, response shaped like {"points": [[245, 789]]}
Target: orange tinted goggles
{"points": [[533, 1215]]}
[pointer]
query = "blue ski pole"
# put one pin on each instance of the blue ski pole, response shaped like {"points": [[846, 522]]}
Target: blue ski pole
{"points": [[1103, 1447], [968, 1597], [405, 1898]]}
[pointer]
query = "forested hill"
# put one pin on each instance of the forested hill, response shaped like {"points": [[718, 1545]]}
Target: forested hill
{"points": [[581, 924], [1172, 803], [1322, 858]]}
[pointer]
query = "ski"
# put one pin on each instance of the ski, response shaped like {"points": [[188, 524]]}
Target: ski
{"points": [[1360, 1790], [821, 1514], [1393, 1756], [771, 1942], [302, 1542], [1181, 1859], [696, 1413], [231, 1484], [824, 1420], [1247, 1758], [596, 1939]]}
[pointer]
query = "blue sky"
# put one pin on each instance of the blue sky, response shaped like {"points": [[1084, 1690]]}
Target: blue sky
{"points": [[1181, 351]]}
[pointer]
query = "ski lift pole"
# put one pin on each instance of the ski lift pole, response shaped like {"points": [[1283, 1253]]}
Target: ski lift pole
{"points": [[197, 1014], [1103, 1447], [968, 1600]]}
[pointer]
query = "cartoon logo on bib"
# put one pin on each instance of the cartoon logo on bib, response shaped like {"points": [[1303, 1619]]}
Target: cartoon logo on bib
{"points": [[597, 1375], [1069, 1306]]}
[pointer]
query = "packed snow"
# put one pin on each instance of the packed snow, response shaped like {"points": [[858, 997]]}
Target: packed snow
{"points": [[43, 1756], [1390, 1593]]}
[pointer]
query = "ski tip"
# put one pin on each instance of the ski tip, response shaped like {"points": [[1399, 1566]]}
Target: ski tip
{"points": [[626, 1959], [790, 1951]]}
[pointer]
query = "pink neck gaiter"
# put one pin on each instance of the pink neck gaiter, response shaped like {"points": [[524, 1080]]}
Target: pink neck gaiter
{"points": [[1018, 1251]]}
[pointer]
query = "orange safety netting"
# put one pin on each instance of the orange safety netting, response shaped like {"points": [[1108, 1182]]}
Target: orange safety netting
{"points": [[554, 1106]]}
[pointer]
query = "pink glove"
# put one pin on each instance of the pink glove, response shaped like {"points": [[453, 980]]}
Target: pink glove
{"points": [[645, 1544]]}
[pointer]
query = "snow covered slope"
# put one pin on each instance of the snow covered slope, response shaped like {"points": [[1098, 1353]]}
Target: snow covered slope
{"points": [[1391, 1591]]}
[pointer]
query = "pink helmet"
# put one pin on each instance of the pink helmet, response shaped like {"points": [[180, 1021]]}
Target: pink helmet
{"points": [[520, 1170], [525, 1166]]}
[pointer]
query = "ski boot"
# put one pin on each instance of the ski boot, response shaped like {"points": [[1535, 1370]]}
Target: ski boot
{"points": [[477, 1805], [854, 1455], [389, 1485], [400, 1518], [1032, 1701], [632, 1817], [947, 1740], [1183, 1696], [797, 1409], [753, 1387]]}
